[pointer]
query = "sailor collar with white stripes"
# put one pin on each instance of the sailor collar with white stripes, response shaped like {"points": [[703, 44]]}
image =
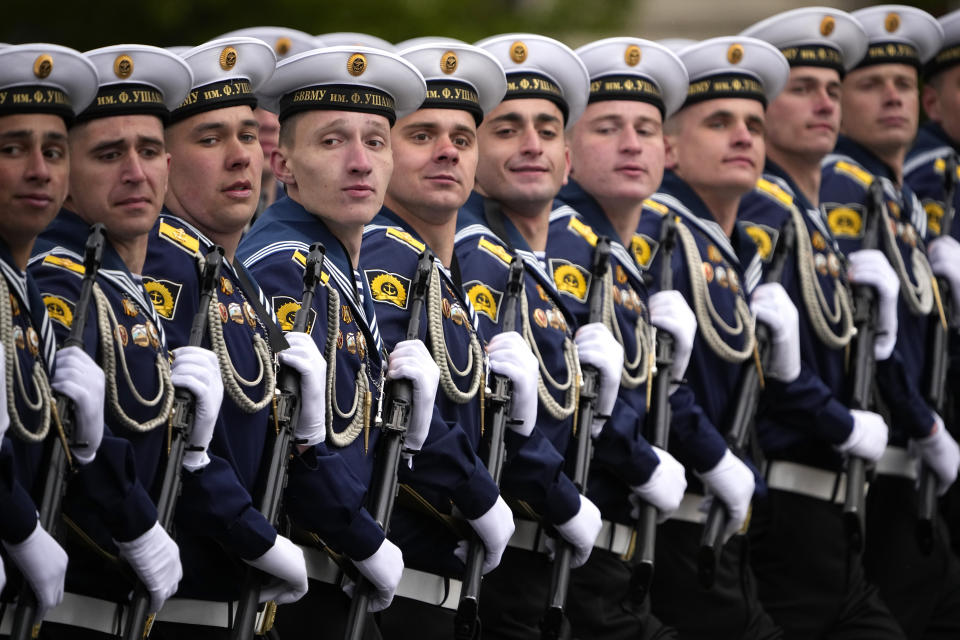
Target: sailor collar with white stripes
{"points": [[205, 243], [17, 280], [775, 174], [389, 218], [683, 200], [679, 196], [584, 206], [66, 237], [534, 260], [932, 143], [474, 220], [850, 151]]}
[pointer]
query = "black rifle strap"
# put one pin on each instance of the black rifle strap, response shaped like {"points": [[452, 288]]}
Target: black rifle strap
{"points": [[252, 293]]}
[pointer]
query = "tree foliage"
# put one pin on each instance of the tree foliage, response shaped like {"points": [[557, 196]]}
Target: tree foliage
{"points": [[96, 23]]}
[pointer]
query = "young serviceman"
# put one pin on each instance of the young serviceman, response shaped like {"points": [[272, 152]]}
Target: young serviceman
{"points": [[805, 428], [880, 104]]}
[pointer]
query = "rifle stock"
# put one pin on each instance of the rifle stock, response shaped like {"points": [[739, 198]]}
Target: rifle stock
{"points": [[399, 406], [59, 461], [938, 359], [466, 623], [744, 414], [552, 625], [140, 618], [286, 416], [657, 422]]}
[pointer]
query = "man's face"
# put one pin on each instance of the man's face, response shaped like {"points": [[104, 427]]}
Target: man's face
{"points": [[118, 173], [34, 169], [434, 160], [336, 164], [523, 154], [617, 150], [215, 168], [805, 118], [269, 135], [941, 101], [718, 144], [881, 107]]}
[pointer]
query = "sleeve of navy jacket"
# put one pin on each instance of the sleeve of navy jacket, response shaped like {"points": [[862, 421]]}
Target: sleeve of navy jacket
{"points": [[534, 472], [112, 483]]}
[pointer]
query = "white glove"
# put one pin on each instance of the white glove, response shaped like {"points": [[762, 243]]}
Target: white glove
{"points": [[494, 528], [940, 452], [870, 267], [155, 558], [285, 564], [81, 379], [411, 360], [198, 371], [664, 489], [383, 570], [581, 531], [4, 416], [773, 307], [733, 483], [596, 346], [303, 356], [670, 312], [868, 438], [3, 576], [944, 254], [510, 356], [43, 563]]}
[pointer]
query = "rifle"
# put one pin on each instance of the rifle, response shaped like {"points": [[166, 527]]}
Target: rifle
{"points": [[466, 623], [140, 620], [399, 403], [286, 416], [744, 414], [657, 421], [58, 449], [865, 322], [552, 623], [938, 358]]}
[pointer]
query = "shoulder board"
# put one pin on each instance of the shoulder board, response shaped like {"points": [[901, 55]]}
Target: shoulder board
{"points": [[941, 164], [775, 192], [179, 237], [300, 258], [64, 263], [863, 177], [582, 229], [403, 237], [495, 250], [658, 207]]}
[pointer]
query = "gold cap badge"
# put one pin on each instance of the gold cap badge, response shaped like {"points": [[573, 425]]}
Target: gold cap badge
{"points": [[282, 46], [448, 62], [42, 66], [892, 22], [123, 66], [518, 52], [827, 25], [632, 55], [357, 64], [735, 53], [228, 58]]}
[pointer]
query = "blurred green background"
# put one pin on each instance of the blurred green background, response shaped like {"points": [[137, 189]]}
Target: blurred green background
{"points": [[93, 23]]}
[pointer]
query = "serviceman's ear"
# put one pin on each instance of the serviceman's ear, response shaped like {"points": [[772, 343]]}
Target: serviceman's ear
{"points": [[670, 151], [278, 163], [930, 98], [569, 167]]}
